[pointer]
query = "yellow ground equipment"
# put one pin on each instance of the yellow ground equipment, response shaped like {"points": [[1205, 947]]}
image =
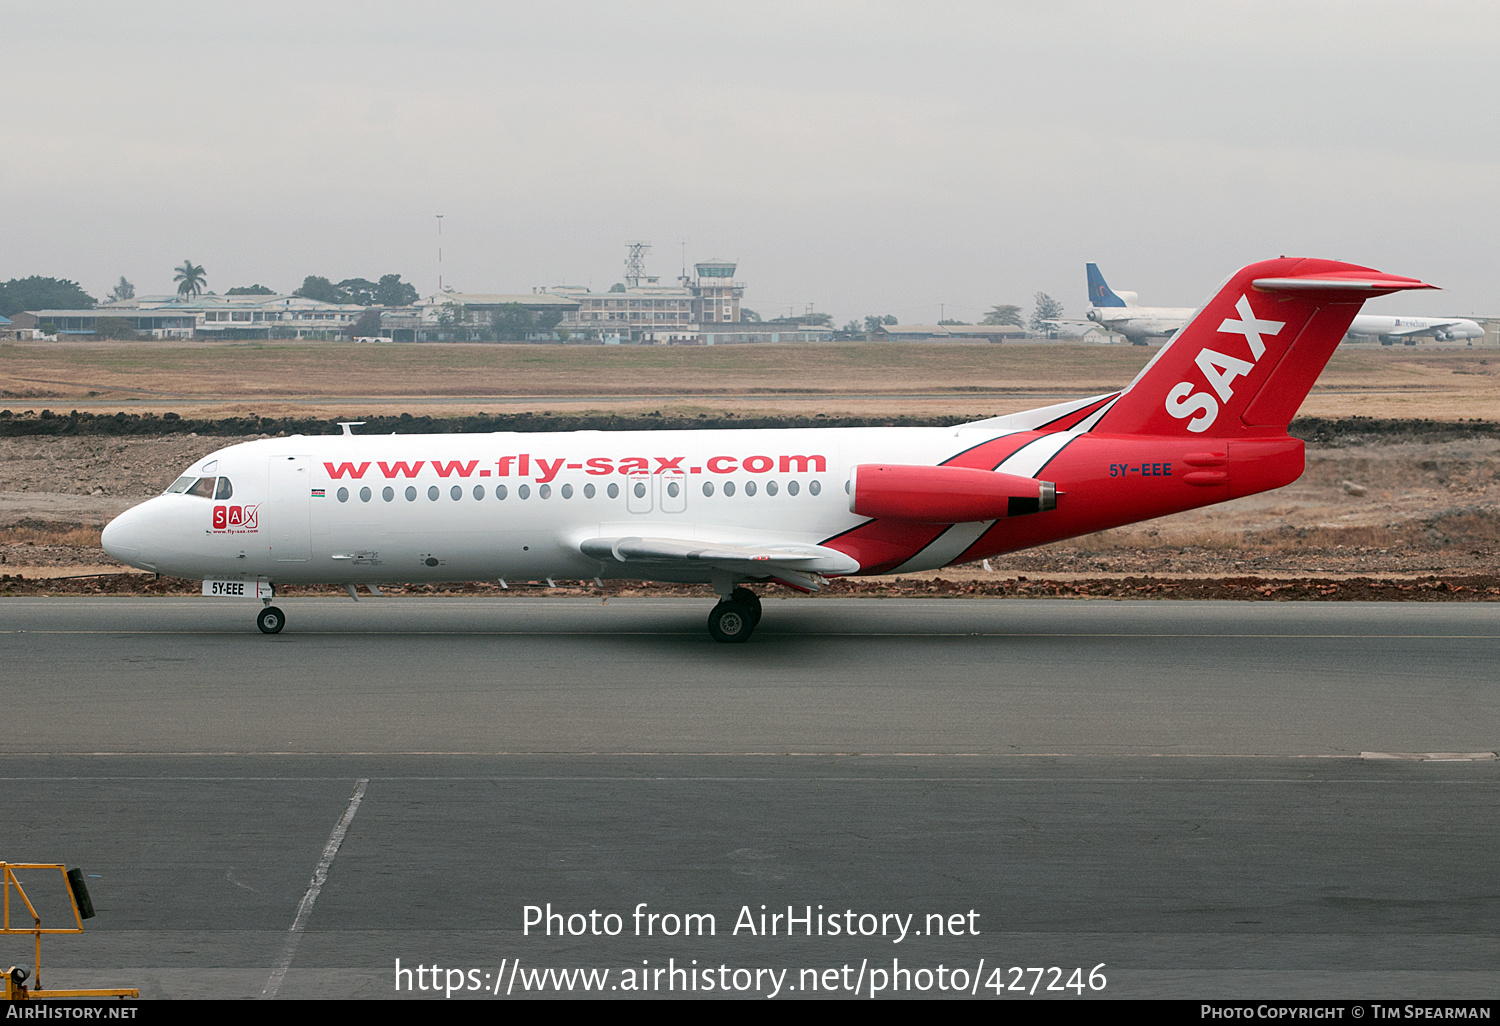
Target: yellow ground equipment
{"points": [[83, 908]]}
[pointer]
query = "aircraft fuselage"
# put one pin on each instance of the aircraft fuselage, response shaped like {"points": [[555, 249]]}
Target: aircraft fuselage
{"points": [[423, 508]]}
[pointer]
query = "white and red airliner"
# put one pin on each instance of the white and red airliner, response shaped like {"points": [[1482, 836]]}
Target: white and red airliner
{"points": [[1205, 421]]}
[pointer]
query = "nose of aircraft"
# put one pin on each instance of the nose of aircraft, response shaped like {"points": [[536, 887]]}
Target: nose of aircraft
{"points": [[128, 537]]}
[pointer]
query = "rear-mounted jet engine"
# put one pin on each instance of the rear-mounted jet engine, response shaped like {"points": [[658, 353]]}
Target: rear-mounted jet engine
{"points": [[945, 495]]}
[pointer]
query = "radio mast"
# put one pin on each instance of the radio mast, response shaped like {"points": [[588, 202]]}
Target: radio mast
{"points": [[635, 262]]}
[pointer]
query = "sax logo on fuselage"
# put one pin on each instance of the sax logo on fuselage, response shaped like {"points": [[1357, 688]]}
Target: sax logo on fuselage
{"points": [[1220, 370], [236, 519]]}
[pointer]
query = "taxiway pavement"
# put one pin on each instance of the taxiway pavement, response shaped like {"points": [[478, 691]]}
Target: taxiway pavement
{"points": [[1185, 792]]}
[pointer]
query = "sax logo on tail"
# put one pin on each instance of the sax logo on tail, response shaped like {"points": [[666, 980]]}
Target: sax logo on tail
{"points": [[1199, 408]]}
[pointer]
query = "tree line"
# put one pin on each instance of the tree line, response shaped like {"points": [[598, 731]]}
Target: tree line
{"points": [[1044, 309], [43, 293]]}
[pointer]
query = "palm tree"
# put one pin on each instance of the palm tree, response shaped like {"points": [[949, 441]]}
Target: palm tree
{"points": [[190, 279]]}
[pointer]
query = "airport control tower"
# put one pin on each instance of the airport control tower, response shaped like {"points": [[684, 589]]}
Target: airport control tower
{"points": [[716, 295]]}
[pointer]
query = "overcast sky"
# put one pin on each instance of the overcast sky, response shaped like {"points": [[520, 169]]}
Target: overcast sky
{"points": [[863, 157]]}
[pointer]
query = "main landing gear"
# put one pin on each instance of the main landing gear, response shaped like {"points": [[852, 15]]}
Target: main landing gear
{"points": [[270, 620], [735, 617]]}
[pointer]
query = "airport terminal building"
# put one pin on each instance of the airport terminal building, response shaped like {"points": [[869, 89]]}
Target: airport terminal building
{"points": [[210, 316], [646, 311], [698, 309]]}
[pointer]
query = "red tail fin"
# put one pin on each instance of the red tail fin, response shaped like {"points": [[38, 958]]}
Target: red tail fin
{"points": [[1242, 366]]}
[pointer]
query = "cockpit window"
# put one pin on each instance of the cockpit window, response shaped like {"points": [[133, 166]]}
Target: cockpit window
{"points": [[205, 487]]}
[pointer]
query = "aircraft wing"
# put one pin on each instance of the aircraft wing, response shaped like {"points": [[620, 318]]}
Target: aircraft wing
{"points": [[760, 560]]}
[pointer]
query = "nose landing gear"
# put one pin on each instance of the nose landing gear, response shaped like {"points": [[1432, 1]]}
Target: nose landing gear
{"points": [[734, 618]]}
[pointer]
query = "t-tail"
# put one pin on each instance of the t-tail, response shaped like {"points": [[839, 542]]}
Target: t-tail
{"points": [[1100, 294], [1243, 365]]}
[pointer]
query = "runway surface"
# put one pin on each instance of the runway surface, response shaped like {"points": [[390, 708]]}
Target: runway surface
{"points": [[1176, 790]]}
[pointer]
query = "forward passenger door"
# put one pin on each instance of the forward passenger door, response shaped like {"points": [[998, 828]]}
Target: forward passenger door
{"points": [[286, 516]]}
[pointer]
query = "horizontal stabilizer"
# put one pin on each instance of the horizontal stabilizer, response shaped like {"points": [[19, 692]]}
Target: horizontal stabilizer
{"points": [[1360, 285]]}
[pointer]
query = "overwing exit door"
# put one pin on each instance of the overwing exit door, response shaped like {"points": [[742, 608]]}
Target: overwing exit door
{"points": [[673, 485], [638, 492]]}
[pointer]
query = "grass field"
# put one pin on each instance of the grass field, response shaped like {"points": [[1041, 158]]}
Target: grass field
{"points": [[318, 378]]}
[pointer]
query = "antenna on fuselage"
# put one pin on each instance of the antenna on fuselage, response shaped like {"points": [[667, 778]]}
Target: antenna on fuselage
{"points": [[350, 425]]}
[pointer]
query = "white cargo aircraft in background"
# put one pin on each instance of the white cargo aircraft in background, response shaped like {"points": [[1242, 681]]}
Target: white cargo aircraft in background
{"points": [[1119, 312], [1391, 330], [1204, 421]]}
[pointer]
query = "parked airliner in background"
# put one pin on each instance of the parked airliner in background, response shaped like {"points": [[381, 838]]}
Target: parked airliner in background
{"points": [[1391, 330], [1119, 312], [1203, 422]]}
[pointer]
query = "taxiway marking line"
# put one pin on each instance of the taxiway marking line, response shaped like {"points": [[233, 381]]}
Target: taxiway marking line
{"points": [[786, 634], [320, 874], [659, 779]]}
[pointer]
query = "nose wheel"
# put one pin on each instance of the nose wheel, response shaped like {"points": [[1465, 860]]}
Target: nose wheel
{"points": [[734, 618], [270, 620]]}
